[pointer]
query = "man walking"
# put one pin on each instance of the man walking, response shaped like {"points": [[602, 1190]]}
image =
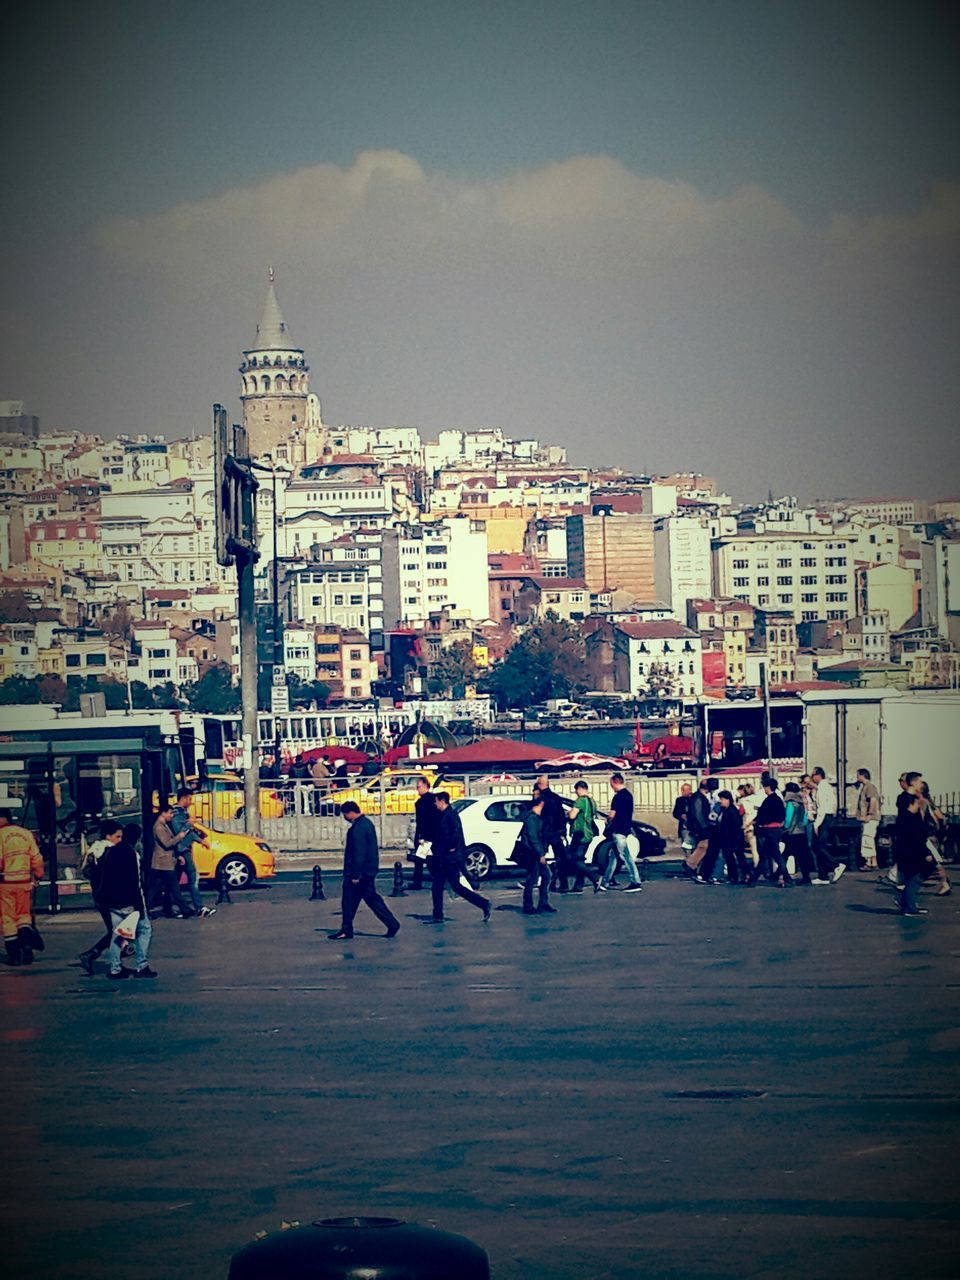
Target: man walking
{"points": [[619, 827], [163, 866], [189, 836], [425, 828], [446, 863], [681, 810], [20, 865], [701, 826], [868, 815], [583, 829], [554, 822], [361, 862], [829, 868], [537, 867]]}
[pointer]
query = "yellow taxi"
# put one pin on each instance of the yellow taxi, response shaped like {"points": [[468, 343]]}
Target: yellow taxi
{"points": [[242, 859], [222, 799], [400, 792]]}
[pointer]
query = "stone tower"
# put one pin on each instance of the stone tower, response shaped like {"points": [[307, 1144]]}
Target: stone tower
{"points": [[275, 381]]}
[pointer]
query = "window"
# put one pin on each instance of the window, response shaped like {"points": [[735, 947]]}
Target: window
{"points": [[355, 673], [96, 659], [808, 580], [741, 582], [355, 655], [762, 581], [356, 599], [808, 562], [785, 580], [73, 659], [784, 563], [741, 564], [338, 600]]}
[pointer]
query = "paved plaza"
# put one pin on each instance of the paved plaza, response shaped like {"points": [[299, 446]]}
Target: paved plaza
{"points": [[692, 1082]]}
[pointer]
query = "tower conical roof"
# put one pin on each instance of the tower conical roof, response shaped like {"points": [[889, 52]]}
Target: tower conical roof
{"points": [[272, 331]]}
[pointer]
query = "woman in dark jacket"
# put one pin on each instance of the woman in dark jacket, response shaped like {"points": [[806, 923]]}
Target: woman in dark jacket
{"points": [[769, 826], [121, 891], [728, 840]]}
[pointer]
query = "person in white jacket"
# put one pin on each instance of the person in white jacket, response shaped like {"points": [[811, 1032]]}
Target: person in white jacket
{"points": [[829, 868]]}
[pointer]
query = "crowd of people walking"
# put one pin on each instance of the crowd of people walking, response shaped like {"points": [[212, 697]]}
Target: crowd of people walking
{"points": [[780, 838]]}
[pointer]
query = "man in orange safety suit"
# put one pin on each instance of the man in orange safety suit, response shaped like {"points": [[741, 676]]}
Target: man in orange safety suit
{"points": [[20, 865]]}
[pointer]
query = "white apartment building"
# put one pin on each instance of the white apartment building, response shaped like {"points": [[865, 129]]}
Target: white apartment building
{"points": [[158, 660], [162, 536], [20, 468], [145, 462], [812, 575], [652, 656], [940, 585], [299, 658], [884, 510], [682, 561], [324, 593], [868, 636], [431, 567]]}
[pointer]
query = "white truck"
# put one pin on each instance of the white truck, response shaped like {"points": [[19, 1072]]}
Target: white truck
{"points": [[887, 731]]}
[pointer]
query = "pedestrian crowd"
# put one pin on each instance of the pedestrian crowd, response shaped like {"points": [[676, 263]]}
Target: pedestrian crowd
{"points": [[747, 838]]}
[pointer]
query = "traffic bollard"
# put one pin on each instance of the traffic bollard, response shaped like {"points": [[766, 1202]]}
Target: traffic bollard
{"points": [[398, 890], [224, 894], [355, 1248], [317, 893]]}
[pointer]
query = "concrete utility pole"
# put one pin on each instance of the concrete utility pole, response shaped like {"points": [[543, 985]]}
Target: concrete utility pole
{"points": [[237, 544]]}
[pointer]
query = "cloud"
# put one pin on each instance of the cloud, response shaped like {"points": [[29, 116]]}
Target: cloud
{"points": [[591, 212], [575, 300]]}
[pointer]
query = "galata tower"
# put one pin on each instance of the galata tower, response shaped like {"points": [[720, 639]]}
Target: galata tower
{"points": [[275, 381]]}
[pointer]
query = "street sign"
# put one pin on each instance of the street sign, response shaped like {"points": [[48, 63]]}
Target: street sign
{"points": [[279, 699]]}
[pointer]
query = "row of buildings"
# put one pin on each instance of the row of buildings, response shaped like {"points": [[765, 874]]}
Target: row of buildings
{"points": [[381, 541]]}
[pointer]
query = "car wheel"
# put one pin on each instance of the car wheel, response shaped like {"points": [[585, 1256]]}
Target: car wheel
{"points": [[238, 871], [480, 861]]}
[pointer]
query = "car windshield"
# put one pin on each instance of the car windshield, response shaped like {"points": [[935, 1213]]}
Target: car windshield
{"points": [[460, 805]]}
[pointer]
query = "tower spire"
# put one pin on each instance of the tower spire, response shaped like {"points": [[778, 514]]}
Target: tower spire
{"points": [[272, 331]]}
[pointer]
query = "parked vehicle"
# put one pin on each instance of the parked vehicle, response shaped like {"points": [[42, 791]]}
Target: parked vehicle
{"points": [[399, 790], [222, 799], [491, 825]]}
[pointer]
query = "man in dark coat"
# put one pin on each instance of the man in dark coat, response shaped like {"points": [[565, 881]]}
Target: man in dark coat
{"points": [[537, 868], [426, 819], [553, 821], [120, 891], [447, 860], [361, 862]]}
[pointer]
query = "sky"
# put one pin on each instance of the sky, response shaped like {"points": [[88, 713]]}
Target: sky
{"points": [[677, 235]]}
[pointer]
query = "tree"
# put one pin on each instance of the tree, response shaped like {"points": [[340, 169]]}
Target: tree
{"points": [[119, 623], [52, 689], [14, 607], [305, 692], [454, 668], [19, 689], [214, 692], [548, 661]]}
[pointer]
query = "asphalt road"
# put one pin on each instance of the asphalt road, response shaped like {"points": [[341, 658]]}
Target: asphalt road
{"points": [[691, 1082]]}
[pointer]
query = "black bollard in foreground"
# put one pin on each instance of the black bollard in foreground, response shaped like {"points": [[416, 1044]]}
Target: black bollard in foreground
{"points": [[316, 894], [361, 1249], [398, 891], [224, 894]]}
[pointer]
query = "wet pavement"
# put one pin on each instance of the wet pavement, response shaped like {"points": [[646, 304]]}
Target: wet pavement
{"points": [[689, 1082]]}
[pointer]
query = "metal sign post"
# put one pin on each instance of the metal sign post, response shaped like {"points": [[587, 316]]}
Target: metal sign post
{"points": [[236, 540]]}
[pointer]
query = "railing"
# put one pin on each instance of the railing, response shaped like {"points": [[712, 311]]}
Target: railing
{"points": [[311, 820]]}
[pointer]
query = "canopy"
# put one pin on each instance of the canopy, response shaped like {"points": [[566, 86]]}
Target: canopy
{"points": [[488, 752], [349, 755], [583, 760]]}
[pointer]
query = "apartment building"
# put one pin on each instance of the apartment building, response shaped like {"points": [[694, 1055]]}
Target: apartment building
{"points": [[426, 568], [325, 593], [72, 544], [613, 551], [811, 575], [653, 659], [683, 565], [342, 660]]}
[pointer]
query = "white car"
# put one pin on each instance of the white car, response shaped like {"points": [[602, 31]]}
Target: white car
{"points": [[491, 825]]}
